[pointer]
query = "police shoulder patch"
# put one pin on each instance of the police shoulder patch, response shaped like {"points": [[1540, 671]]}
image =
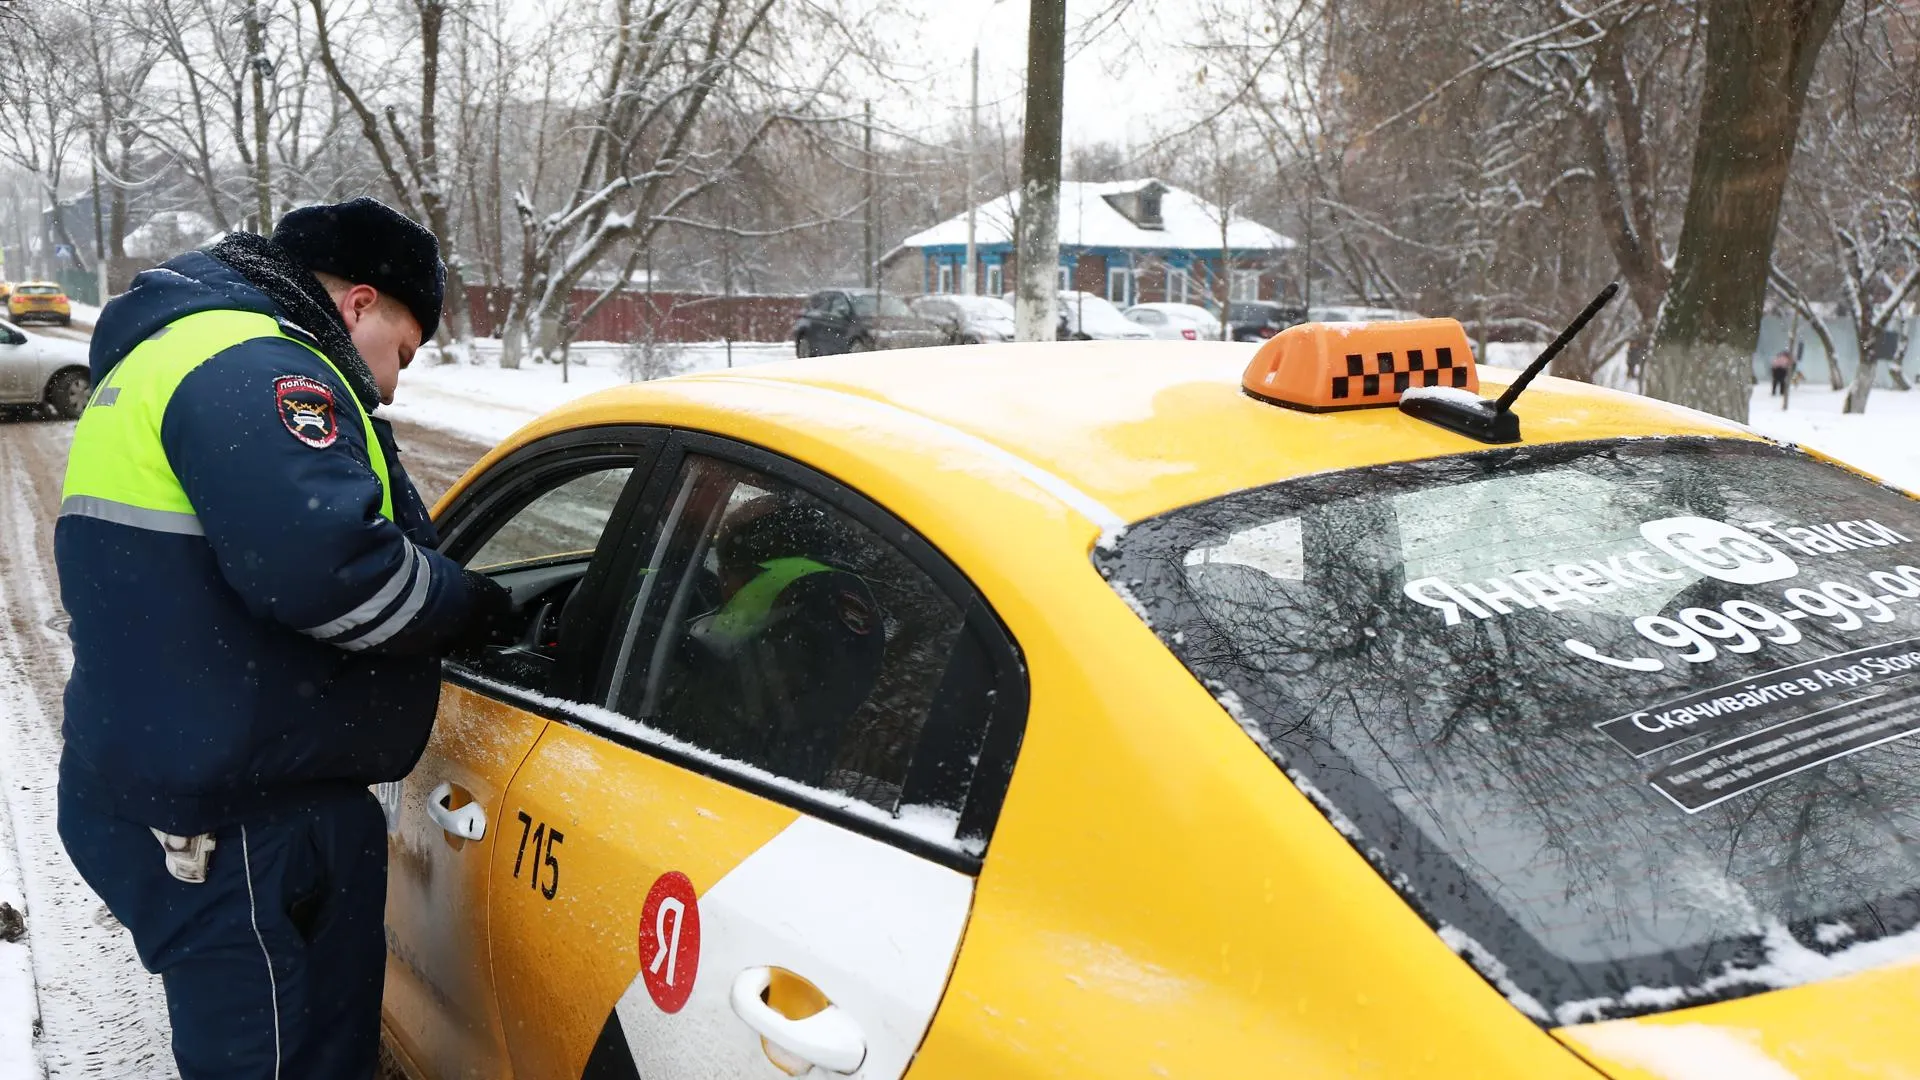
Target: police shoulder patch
{"points": [[307, 409]]}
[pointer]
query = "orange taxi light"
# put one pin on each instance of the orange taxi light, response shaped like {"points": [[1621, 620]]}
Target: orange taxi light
{"points": [[1321, 367]]}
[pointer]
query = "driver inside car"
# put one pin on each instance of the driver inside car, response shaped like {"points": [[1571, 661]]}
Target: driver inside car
{"points": [[775, 671]]}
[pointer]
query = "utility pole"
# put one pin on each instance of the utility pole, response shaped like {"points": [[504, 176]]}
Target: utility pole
{"points": [[867, 145], [1306, 266], [257, 60], [973, 154], [99, 234], [1038, 246]]}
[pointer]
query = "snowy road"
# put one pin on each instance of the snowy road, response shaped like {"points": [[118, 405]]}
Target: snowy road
{"points": [[99, 1014]]}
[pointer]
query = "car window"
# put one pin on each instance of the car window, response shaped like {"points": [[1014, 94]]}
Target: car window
{"points": [[541, 552], [784, 639], [1147, 317], [562, 523], [1635, 719], [883, 304]]}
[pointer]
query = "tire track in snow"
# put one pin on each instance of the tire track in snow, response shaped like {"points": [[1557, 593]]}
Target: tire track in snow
{"points": [[101, 1013]]}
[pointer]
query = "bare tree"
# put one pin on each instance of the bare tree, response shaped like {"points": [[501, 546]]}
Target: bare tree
{"points": [[42, 77], [1851, 226], [655, 142], [415, 169], [1760, 57]]}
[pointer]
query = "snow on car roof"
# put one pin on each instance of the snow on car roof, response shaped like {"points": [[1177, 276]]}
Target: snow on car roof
{"points": [[1087, 219]]}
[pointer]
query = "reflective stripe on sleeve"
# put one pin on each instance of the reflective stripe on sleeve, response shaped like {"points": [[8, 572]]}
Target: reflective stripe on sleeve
{"points": [[404, 614], [138, 517], [375, 604]]}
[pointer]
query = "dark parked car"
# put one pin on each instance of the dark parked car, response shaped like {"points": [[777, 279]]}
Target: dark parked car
{"points": [[1258, 320], [854, 320]]}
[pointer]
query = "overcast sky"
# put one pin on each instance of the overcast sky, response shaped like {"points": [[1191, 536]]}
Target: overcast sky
{"points": [[1127, 74]]}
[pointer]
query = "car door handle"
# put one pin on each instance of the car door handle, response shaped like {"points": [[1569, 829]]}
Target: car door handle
{"points": [[829, 1039], [468, 822]]}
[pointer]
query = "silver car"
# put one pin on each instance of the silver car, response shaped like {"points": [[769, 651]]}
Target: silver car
{"points": [[36, 370]]}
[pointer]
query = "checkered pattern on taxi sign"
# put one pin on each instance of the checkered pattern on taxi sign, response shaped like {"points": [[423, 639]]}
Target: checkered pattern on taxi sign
{"points": [[1416, 370]]}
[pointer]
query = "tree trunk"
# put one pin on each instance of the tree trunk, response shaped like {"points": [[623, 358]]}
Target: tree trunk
{"points": [[1760, 55], [1834, 381], [513, 332], [1038, 246], [1863, 369]]}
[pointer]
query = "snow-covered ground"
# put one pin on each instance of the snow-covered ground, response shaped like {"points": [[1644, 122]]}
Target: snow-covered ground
{"points": [[488, 402], [1880, 441]]}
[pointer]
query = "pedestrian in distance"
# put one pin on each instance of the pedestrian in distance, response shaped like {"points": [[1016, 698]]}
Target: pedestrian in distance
{"points": [[1782, 367], [257, 612]]}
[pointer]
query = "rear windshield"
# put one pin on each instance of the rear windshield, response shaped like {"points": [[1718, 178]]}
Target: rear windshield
{"points": [[1629, 723], [37, 290], [1090, 313]]}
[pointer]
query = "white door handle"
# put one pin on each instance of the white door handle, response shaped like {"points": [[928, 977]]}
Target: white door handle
{"points": [[828, 1039], [468, 823]]}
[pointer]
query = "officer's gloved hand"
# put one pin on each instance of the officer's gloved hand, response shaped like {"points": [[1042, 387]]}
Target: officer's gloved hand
{"points": [[491, 619]]}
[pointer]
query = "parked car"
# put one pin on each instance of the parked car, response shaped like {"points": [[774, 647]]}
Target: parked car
{"points": [[42, 300], [1177, 322], [37, 370], [968, 320], [861, 722], [857, 320], [1086, 317], [1358, 313], [1258, 320]]}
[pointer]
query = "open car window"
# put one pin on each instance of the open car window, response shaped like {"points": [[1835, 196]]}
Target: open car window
{"points": [[541, 552], [564, 522], [1631, 724]]}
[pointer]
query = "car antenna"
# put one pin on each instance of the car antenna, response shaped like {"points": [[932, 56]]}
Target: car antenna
{"points": [[1493, 421]]}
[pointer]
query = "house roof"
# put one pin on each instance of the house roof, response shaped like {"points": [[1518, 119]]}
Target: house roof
{"points": [[1088, 219]]}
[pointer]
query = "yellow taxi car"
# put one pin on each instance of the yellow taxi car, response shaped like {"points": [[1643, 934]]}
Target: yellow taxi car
{"points": [[43, 300], [1166, 710]]}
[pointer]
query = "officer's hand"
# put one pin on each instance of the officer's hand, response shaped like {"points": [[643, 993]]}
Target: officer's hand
{"points": [[490, 618]]}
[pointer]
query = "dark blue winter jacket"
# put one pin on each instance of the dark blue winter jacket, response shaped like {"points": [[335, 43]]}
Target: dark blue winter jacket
{"points": [[288, 655]]}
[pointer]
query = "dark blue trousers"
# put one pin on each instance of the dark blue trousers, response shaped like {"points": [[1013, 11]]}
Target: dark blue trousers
{"points": [[273, 967]]}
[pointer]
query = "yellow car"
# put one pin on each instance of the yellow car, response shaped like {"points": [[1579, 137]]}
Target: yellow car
{"points": [[1166, 710], [43, 300]]}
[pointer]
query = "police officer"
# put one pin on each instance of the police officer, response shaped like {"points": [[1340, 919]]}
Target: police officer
{"points": [[257, 608]]}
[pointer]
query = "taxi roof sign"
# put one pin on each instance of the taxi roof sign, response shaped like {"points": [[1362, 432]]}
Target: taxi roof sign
{"points": [[1321, 367]]}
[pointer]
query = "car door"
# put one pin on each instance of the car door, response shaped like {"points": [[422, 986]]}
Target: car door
{"points": [[945, 316], [19, 366], [754, 852], [540, 523], [839, 323]]}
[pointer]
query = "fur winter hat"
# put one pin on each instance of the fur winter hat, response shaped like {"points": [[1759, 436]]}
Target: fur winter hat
{"points": [[368, 242]]}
